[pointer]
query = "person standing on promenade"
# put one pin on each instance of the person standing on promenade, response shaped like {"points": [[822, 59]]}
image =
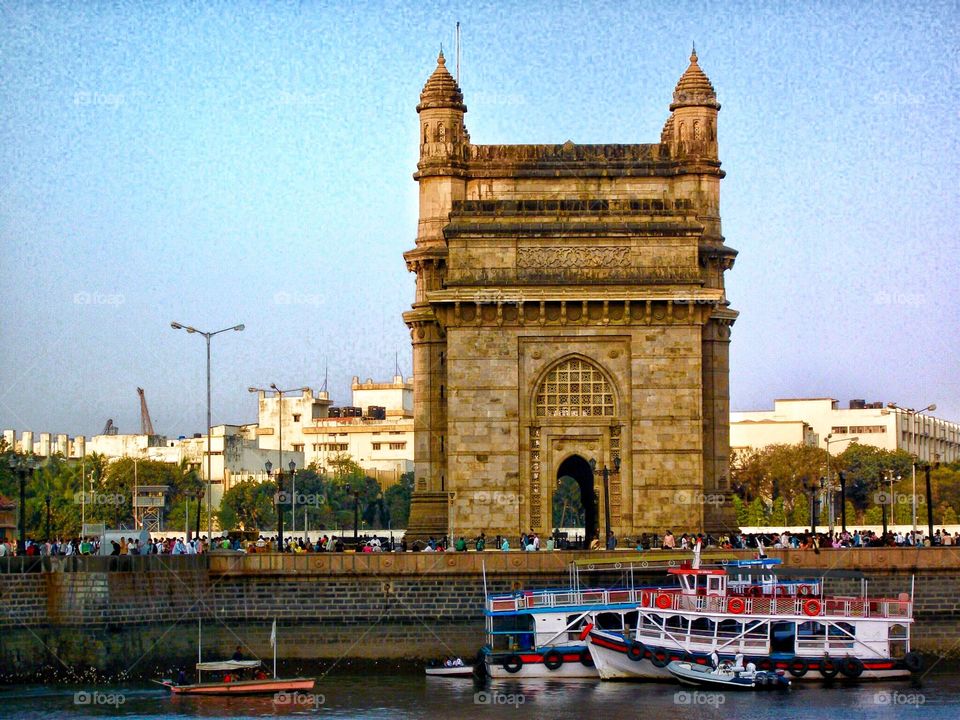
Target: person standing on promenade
{"points": [[669, 542]]}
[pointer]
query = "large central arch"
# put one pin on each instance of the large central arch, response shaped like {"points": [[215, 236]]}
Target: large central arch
{"points": [[579, 469]]}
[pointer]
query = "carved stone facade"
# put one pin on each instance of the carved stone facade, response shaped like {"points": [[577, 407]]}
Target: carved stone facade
{"points": [[570, 319]]}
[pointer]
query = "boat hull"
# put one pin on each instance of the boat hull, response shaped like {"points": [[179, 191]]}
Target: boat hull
{"points": [[611, 654], [463, 671], [244, 687], [533, 664]]}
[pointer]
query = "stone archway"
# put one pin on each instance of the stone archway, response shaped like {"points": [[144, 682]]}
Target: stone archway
{"points": [[578, 468]]}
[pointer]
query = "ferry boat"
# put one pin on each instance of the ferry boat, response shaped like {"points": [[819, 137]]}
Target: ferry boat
{"points": [[772, 624], [229, 686], [543, 633]]}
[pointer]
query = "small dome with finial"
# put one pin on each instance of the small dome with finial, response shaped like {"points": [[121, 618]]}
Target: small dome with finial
{"points": [[441, 90], [694, 88]]}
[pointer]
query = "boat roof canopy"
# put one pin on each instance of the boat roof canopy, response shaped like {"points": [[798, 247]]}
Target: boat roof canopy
{"points": [[228, 665], [654, 558], [809, 574]]}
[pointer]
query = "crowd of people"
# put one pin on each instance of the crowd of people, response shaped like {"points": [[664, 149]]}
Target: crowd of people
{"points": [[529, 542]]}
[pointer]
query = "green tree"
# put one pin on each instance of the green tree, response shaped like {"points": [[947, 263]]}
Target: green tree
{"points": [[778, 516], [567, 504], [248, 505], [398, 498]]}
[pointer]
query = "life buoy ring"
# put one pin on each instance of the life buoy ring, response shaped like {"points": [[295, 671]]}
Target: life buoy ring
{"points": [[636, 651], [660, 659], [852, 667], [736, 605], [828, 668], [645, 599], [586, 631], [803, 590], [586, 659], [812, 607], [513, 663], [913, 661], [798, 668], [553, 660], [664, 601]]}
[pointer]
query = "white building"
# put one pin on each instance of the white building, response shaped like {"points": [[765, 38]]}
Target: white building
{"points": [[930, 439], [377, 432]]}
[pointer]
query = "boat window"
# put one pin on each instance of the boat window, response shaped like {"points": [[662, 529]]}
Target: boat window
{"points": [[610, 621], [703, 627], [841, 635], [676, 622], [729, 628], [811, 629], [782, 637], [898, 640], [574, 626], [630, 619], [513, 623]]}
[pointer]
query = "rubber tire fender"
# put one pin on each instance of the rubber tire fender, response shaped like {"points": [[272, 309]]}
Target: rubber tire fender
{"points": [[553, 660], [833, 665], [513, 663], [798, 668], [636, 651]]}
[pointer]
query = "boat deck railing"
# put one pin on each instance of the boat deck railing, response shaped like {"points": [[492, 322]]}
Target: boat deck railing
{"points": [[802, 606], [545, 599]]}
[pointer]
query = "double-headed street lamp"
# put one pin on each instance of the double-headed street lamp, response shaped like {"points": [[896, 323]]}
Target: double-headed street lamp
{"points": [[909, 411], [207, 335], [23, 467], [293, 466], [606, 492], [843, 484]]}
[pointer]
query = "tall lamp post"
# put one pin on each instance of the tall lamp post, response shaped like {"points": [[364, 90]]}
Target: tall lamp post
{"points": [[909, 411], [207, 335], [293, 498], [279, 393], [22, 467], [843, 489], [268, 466]]}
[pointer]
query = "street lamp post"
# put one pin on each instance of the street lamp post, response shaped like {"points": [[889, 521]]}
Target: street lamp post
{"points": [[268, 466], [207, 335], [293, 498], [843, 489], [908, 411], [22, 467], [280, 393]]}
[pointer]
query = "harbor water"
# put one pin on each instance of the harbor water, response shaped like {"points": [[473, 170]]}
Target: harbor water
{"points": [[374, 694]]}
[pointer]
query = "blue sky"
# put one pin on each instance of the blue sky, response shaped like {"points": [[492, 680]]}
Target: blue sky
{"points": [[217, 163]]}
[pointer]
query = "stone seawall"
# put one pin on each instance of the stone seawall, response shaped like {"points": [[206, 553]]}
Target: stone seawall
{"points": [[139, 615]]}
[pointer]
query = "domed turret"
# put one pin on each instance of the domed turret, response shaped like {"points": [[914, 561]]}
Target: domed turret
{"points": [[441, 90], [692, 126], [442, 134], [694, 88]]}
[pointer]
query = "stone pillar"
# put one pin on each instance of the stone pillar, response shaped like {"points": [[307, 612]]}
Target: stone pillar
{"points": [[26, 442], [79, 446], [718, 512], [44, 445], [63, 445], [10, 438]]}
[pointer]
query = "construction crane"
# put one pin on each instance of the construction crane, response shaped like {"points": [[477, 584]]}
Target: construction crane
{"points": [[146, 426]]}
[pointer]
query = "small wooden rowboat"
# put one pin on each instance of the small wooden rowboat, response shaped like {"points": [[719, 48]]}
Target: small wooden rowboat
{"points": [[257, 686]]}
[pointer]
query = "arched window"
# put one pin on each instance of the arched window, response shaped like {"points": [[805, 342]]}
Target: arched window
{"points": [[574, 388]]}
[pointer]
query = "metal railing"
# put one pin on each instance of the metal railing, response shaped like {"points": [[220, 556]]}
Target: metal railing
{"points": [[809, 606], [540, 599]]}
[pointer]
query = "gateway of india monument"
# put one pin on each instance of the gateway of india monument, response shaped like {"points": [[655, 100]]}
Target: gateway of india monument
{"points": [[570, 319]]}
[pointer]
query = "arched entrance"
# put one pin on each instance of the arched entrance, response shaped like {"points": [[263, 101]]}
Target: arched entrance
{"points": [[578, 468]]}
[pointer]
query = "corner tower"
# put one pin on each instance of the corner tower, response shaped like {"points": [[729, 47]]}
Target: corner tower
{"points": [[441, 174]]}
